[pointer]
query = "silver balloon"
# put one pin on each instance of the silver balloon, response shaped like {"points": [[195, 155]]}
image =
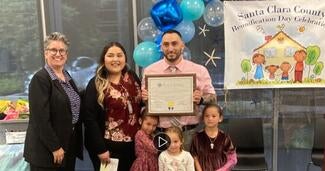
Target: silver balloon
{"points": [[187, 53], [213, 13], [147, 29]]}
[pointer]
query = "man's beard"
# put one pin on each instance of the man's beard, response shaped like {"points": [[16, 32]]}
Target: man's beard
{"points": [[174, 58]]}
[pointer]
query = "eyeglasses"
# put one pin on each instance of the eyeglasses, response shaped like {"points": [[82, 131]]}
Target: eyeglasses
{"points": [[55, 51]]}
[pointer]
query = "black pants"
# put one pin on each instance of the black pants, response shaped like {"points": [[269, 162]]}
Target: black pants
{"points": [[124, 151]]}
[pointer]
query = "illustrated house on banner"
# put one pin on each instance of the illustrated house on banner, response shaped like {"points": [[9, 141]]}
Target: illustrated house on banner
{"points": [[281, 47]]}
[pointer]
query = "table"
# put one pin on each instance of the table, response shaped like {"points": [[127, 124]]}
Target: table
{"points": [[11, 157]]}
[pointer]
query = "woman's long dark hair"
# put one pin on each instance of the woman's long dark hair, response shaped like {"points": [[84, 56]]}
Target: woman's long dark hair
{"points": [[102, 74]]}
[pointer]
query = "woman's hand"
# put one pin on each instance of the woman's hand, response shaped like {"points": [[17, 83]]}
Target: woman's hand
{"points": [[58, 156], [104, 157]]}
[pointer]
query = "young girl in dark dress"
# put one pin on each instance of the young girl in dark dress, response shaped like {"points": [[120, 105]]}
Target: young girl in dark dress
{"points": [[211, 148]]}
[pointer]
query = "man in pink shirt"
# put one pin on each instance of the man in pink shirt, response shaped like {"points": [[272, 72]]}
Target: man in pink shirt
{"points": [[172, 47]]}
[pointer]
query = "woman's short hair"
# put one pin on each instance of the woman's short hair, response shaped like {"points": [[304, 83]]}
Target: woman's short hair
{"points": [[56, 36]]}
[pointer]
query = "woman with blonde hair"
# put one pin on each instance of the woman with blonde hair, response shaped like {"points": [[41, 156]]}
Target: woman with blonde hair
{"points": [[112, 106]]}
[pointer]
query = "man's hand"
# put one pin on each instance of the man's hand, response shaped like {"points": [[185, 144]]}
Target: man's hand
{"points": [[144, 95], [197, 95], [207, 98], [58, 155]]}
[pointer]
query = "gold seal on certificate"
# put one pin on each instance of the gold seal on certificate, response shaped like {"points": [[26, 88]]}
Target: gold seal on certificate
{"points": [[170, 94]]}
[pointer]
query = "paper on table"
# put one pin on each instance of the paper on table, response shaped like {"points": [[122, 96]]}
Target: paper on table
{"points": [[112, 166], [15, 137]]}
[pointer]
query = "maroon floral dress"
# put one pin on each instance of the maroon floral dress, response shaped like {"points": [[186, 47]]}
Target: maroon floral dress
{"points": [[123, 103], [147, 154]]}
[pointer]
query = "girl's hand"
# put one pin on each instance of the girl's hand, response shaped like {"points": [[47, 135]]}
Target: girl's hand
{"points": [[104, 157]]}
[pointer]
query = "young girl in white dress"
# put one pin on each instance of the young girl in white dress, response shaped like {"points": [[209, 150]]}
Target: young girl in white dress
{"points": [[175, 158]]}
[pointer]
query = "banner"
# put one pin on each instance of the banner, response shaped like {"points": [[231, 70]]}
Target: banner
{"points": [[274, 44]]}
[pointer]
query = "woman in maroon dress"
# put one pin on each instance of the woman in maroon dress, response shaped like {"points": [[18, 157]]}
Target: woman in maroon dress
{"points": [[112, 103], [211, 148]]}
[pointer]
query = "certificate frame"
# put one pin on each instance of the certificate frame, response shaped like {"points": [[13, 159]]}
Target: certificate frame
{"points": [[170, 94]]}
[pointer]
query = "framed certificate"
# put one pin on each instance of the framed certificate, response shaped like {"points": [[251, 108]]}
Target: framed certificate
{"points": [[170, 94]]}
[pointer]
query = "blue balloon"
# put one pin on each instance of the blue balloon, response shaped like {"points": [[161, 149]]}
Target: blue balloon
{"points": [[146, 53], [166, 14], [213, 14], [187, 30], [192, 9], [207, 1], [158, 38], [187, 53], [158, 41]]}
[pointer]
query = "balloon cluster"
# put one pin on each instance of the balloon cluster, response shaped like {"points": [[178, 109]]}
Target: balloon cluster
{"points": [[173, 14]]}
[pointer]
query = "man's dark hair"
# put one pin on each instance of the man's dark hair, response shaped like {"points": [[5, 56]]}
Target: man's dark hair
{"points": [[172, 31]]}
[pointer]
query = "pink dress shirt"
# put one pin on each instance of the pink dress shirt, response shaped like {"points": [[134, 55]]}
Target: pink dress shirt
{"points": [[203, 83]]}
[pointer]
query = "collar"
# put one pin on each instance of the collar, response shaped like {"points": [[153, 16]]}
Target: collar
{"points": [[179, 66], [53, 76]]}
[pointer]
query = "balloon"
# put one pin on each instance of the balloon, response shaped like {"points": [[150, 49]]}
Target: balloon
{"points": [[158, 41], [155, 1], [147, 29], [192, 9], [166, 14], [187, 30], [158, 38], [206, 1], [146, 53], [213, 14], [187, 53]]}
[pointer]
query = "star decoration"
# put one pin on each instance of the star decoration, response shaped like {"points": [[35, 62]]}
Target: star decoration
{"points": [[211, 58], [203, 30]]}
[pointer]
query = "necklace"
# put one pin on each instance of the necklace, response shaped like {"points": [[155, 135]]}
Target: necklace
{"points": [[212, 140]]}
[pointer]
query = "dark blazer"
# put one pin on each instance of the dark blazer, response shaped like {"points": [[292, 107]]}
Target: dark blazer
{"points": [[50, 123], [94, 120]]}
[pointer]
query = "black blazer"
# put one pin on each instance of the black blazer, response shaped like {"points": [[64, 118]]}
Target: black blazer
{"points": [[94, 120], [50, 123]]}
